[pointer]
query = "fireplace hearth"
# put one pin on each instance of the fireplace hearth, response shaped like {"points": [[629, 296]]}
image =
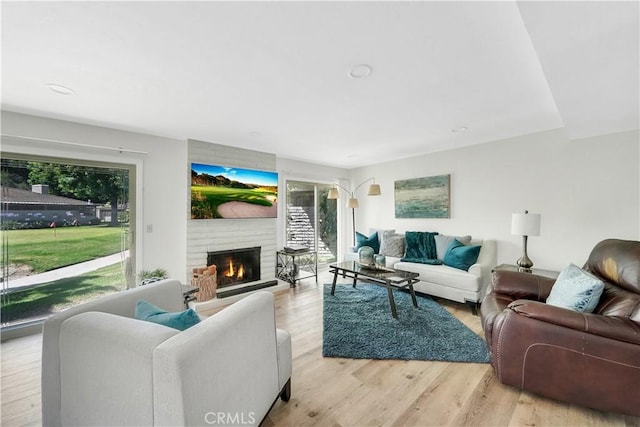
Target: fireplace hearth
{"points": [[236, 266]]}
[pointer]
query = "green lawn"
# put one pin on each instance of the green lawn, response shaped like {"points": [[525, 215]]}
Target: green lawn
{"points": [[41, 300], [48, 248]]}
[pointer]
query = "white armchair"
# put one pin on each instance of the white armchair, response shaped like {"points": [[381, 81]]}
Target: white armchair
{"points": [[101, 366]]}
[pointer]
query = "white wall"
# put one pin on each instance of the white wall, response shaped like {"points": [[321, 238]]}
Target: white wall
{"points": [[162, 202], [586, 190]]}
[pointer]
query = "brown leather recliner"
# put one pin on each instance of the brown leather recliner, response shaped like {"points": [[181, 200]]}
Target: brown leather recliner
{"points": [[591, 359]]}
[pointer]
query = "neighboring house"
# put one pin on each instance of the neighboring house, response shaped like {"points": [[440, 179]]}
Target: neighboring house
{"points": [[38, 209]]}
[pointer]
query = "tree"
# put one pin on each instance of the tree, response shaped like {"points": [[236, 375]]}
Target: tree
{"points": [[14, 174], [98, 185], [328, 214]]}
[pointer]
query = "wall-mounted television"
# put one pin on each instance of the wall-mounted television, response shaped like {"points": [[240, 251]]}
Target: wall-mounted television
{"points": [[227, 192]]}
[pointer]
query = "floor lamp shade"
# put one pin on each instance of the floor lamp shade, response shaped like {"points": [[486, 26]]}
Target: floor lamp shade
{"points": [[353, 203], [374, 190]]}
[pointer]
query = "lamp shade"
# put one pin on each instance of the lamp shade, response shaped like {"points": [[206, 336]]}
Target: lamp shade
{"points": [[374, 190], [352, 203], [525, 224], [333, 194]]}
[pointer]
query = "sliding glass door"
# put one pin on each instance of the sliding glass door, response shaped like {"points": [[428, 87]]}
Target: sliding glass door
{"points": [[312, 219], [65, 234]]}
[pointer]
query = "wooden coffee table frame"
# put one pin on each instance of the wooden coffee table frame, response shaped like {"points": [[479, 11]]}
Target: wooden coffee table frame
{"points": [[389, 278]]}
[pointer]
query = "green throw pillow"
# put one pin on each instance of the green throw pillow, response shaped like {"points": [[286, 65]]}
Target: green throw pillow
{"points": [[371, 241], [180, 320], [576, 290], [460, 256]]}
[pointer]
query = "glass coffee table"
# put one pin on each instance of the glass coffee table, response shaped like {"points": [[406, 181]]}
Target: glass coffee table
{"points": [[387, 277]]}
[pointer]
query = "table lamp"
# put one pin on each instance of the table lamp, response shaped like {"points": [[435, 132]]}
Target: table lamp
{"points": [[525, 224]]}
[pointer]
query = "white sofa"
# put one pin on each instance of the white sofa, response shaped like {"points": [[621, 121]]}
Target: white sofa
{"points": [[101, 366], [443, 281]]}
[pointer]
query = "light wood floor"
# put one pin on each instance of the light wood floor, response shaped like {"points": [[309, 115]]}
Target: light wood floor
{"points": [[349, 392]]}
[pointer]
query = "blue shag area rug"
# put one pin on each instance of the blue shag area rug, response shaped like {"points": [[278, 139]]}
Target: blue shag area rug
{"points": [[357, 324]]}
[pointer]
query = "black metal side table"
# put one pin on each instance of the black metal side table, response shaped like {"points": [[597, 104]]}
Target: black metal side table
{"points": [[188, 293], [292, 266]]}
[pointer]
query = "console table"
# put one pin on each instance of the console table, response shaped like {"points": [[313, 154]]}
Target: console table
{"points": [[292, 266]]}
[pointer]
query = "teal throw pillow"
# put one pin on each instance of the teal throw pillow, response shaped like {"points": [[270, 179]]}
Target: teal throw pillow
{"points": [[443, 241], [576, 289], [461, 256], [371, 241], [180, 320]]}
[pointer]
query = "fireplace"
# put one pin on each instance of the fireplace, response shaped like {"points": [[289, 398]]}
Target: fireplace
{"points": [[236, 266]]}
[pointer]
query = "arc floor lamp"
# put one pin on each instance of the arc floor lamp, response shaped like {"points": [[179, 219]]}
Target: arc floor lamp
{"points": [[352, 202]]}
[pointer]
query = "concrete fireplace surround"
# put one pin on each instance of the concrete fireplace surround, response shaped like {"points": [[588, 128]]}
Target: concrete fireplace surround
{"points": [[224, 234]]}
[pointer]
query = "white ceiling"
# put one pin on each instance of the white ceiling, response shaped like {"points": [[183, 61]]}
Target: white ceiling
{"points": [[273, 76]]}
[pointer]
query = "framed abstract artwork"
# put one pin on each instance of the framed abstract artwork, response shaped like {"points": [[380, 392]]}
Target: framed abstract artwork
{"points": [[427, 197]]}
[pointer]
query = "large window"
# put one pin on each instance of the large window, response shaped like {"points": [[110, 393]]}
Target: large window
{"points": [[65, 234], [312, 219]]}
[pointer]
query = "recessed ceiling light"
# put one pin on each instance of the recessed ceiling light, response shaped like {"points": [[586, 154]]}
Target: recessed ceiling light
{"points": [[60, 89], [459, 129], [360, 71]]}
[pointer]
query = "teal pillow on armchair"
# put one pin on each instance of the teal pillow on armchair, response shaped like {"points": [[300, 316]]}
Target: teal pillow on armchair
{"points": [[461, 256], [180, 320]]}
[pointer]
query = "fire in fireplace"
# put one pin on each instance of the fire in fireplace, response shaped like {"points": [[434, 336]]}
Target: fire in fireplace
{"points": [[236, 266], [237, 273]]}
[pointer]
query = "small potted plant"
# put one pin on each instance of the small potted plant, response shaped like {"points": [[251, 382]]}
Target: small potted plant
{"points": [[149, 276]]}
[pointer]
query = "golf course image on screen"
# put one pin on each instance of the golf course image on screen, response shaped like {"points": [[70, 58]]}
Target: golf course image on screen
{"points": [[228, 192]]}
